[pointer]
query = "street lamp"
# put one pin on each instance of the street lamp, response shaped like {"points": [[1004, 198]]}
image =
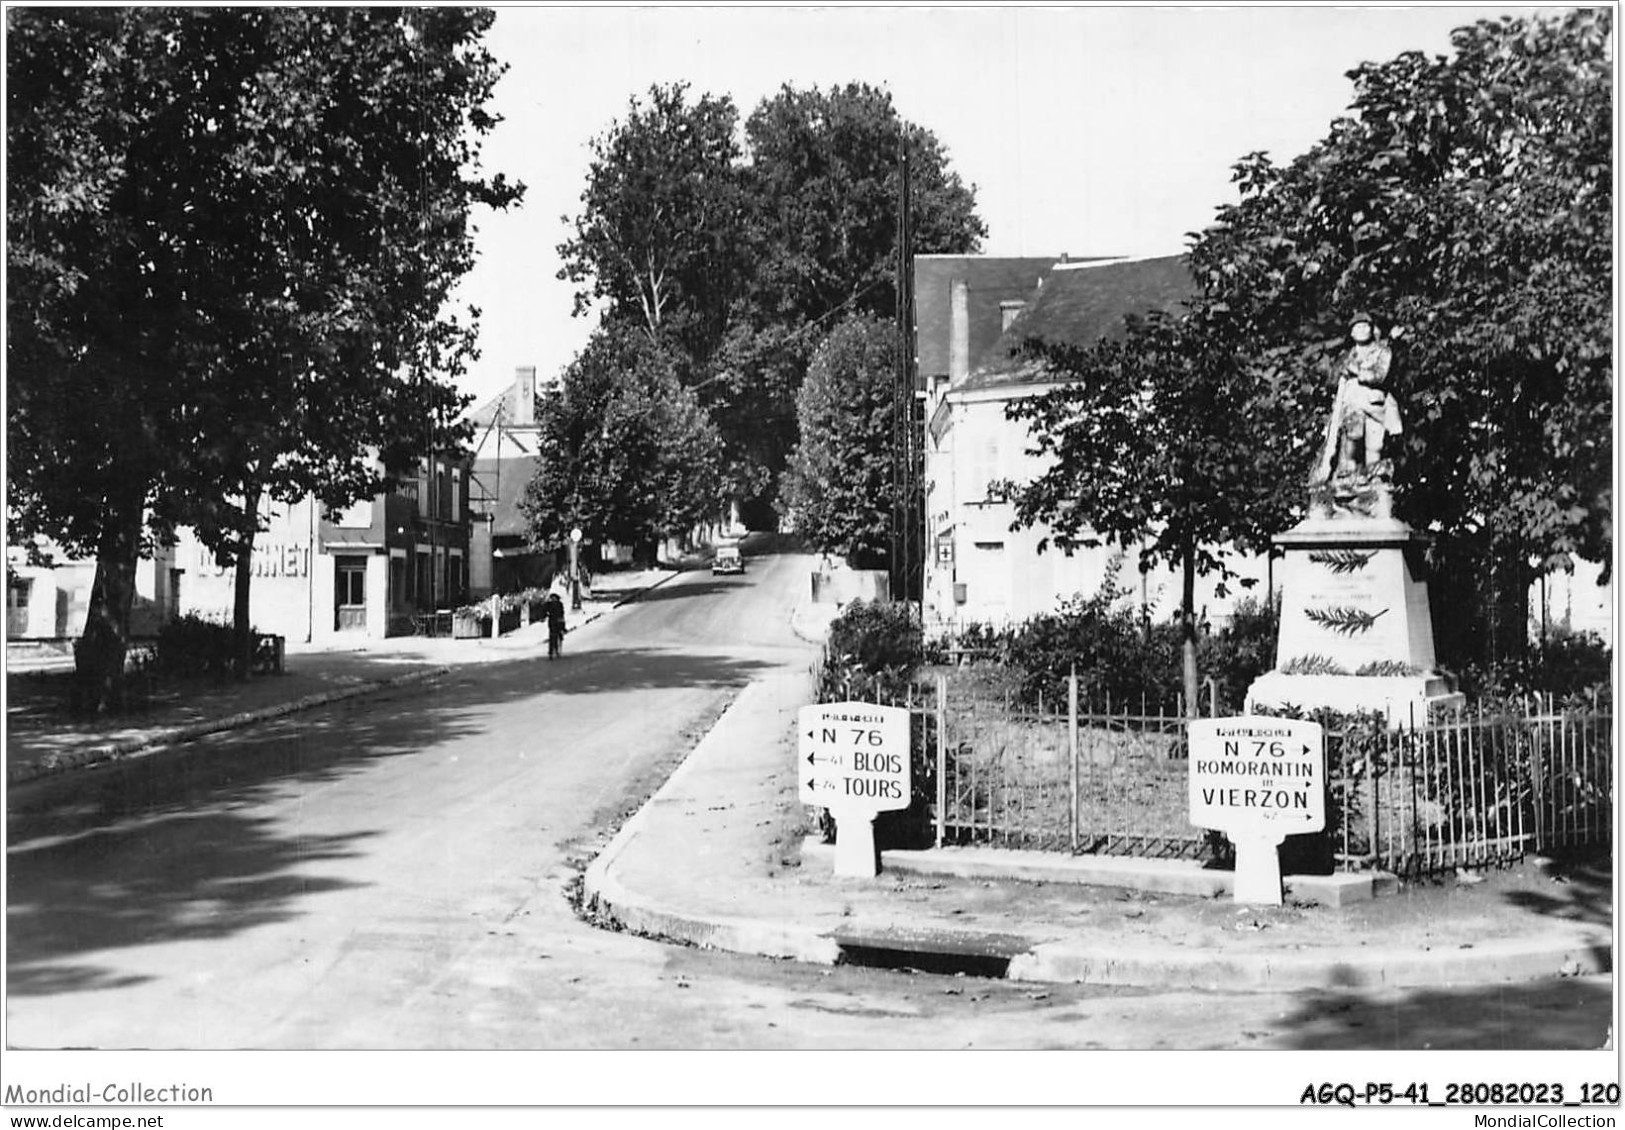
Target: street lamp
{"points": [[575, 569]]}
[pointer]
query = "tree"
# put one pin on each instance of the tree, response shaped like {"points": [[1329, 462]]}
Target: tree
{"points": [[657, 238], [823, 183], [624, 451], [741, 256], [1153, 440], [1468, 199], [839, 481], [228, 271]]}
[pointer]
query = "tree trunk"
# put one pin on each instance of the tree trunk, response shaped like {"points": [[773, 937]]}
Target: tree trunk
{"points": [[241, 623], [1507, 604], [100, 654], [1187, 634], [242, 628]]}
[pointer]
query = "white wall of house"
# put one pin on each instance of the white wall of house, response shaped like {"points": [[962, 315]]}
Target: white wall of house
{"points": [[52, 602], [281, 593], [1572, 599], [980, 571]]}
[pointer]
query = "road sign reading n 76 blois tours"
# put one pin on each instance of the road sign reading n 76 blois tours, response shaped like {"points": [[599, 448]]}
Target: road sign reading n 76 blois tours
{"points": [[853, 756]]}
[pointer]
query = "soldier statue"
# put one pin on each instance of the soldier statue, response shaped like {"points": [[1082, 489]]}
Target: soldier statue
{"points": [[1364, 413]]}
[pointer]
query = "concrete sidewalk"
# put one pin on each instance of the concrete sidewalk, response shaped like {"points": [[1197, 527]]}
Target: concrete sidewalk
{"points": [[717, 858], [42, 739]]}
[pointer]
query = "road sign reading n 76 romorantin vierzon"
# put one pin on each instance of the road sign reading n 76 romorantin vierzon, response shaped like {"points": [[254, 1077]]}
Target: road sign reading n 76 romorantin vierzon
{"points": [[1258, 779]]}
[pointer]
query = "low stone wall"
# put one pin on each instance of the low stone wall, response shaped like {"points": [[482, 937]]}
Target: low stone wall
{"points": [[841, 585]]}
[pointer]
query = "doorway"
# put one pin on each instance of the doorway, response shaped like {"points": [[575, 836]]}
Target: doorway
{"points": [[350, 594]]}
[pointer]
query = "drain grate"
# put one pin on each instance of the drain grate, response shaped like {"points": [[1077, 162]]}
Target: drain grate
{"points": [[934, 961]]}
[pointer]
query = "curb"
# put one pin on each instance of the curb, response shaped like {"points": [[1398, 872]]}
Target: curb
{"points": [[605, 897], [1514, 959], [1029, 960], [802, 634]]}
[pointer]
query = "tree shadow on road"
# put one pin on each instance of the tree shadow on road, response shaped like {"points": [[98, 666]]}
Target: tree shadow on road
{"points": [[1573, 1012], [174, 875], [1581, 890], [698, 589], [635, 669]]}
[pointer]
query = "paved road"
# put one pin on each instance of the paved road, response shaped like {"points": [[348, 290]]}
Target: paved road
{"points": [[393, 872]]}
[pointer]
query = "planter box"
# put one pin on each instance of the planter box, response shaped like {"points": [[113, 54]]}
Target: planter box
{"points": [[469, 628]]}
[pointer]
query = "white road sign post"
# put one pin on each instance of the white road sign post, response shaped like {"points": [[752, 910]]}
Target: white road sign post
{"points": [[853, 759], [1259, 780]]}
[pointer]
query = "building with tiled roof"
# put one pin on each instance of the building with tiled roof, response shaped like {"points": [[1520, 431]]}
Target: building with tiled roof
{"points": [[974, 293], [505, 447], [1080, 304], [978, 569]]}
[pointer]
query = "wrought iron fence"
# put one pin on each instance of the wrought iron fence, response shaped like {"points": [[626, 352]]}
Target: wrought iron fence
{"points": [[1472, 789], [1467, 790]]}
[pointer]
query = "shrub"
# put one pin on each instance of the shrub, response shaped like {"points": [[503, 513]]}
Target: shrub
{"points": [[1242, 650], [196, 645], [874, 651], [877, 636], [1572, 668], [1574, 663]]}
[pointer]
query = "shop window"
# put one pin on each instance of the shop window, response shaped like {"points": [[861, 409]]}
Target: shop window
{"points": [[18, 593]]}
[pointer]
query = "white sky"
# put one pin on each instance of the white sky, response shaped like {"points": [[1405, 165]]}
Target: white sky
{"points": [[1089, 130]]}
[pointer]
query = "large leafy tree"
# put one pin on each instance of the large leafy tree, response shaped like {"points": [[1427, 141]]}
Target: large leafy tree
{"points": [[825, 179], [233, 235], [824, 185], [624, 450], [1468, 199], [657, 239], [839, 481]]}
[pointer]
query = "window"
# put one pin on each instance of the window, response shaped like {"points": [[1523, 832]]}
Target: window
{"points": [[456, 494], [351, 577], [984, 470]]}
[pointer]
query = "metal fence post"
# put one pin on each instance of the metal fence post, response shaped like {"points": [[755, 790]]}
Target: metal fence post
{"points": [[1372, 848], [1072, 750], [942, 757]]}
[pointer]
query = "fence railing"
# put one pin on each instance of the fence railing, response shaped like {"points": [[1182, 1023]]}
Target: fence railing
{"points": [[1468, 790], [1472, 789]]}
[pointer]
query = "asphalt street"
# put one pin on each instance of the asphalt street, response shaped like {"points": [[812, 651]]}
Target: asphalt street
{"points": [[394, 872]]}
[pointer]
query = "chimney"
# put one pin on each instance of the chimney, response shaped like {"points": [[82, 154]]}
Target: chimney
{"points": [[524, 396], [958, 330]]}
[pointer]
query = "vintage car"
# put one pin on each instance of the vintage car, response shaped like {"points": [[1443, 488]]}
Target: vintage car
{"points": [[727, 560]]}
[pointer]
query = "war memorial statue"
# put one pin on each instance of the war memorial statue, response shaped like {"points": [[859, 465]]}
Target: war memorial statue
{"points": [[1352, 472], [1356, 625]]}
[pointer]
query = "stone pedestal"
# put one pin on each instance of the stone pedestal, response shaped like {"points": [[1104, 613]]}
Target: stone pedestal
{"points": [[1356, 627]]}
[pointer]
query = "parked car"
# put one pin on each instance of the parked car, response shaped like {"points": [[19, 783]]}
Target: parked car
{"points": [[727, 560]]}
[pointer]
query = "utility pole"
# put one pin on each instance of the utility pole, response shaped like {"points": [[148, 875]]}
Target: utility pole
{"points": [[906, 545]]}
